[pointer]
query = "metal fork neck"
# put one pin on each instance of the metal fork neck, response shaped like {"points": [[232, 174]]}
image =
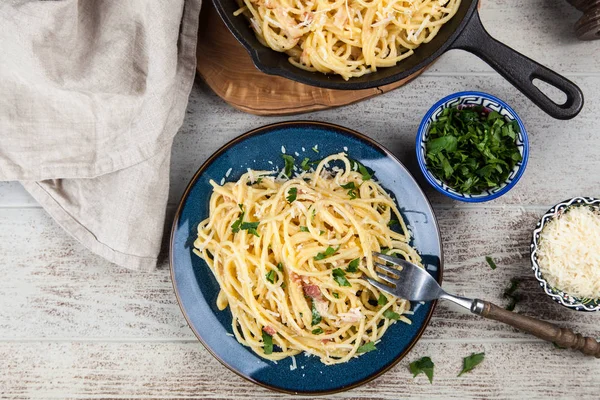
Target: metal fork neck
{"points": [[473, 305]]}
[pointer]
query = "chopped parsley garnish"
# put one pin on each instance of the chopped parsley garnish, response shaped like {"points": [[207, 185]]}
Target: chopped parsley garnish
{"points": [[334, 294], [491, 262], [250, 227], [365, 348], [235, 227], [389, 314], [259, 180], [271, 276], [424, 365], [471, 362], [340, 277], [356, 166], [304, 229], [316, 148], [352, 190], [353, 266], [472, 149], [289, 165], [292, 193], [316, 317], [393, 222], [239, 224], [317, 331], [280, 266], [382, 300], [321, 232], [511, 295], [267, 342], [305, 164], [328, 252]]}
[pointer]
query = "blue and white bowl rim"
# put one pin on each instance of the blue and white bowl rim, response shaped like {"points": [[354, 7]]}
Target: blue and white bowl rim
{"points": [[443, 188], [558, 295]]}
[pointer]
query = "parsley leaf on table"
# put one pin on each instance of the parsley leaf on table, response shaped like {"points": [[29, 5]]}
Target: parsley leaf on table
{"points": [[424, 365], [471, 362], [491, 262], [511, 295]]}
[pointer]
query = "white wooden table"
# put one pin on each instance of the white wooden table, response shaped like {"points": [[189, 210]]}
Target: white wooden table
{"points": [[75, 326]]}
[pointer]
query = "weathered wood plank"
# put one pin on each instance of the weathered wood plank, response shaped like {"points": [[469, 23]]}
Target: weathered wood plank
{"points": [[54, 288], [85, 370]]}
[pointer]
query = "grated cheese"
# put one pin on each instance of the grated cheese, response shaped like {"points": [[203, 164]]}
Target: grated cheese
{"points": [[569, 252]]}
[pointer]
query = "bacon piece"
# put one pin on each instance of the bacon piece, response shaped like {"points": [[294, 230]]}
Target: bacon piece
{"points": [[313, 292], [269, 330]]}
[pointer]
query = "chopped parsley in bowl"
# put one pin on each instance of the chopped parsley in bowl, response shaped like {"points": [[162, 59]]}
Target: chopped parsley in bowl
{"points": [[472, 147]]}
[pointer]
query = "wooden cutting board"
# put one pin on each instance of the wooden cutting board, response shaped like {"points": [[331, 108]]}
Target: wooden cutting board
{"points": [[228, 69]]}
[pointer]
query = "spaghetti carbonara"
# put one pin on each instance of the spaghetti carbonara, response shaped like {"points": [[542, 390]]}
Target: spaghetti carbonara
{"points": [[290, 255], [346, 37]]}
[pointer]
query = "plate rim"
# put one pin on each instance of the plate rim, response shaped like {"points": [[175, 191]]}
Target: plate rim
{"points": [[257, 131]]}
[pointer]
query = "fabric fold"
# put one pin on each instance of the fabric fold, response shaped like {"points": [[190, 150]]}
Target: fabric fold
{"points": [[91, 96]]}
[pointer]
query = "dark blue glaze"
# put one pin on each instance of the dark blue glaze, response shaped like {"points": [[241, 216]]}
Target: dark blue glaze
{"points": [[197, 289]]}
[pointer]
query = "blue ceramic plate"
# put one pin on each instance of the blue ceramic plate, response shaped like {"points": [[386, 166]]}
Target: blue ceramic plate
{"points": [[197, 290]]}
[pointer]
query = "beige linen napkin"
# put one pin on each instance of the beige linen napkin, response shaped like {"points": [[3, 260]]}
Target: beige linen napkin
{"points": [[91, 95]]}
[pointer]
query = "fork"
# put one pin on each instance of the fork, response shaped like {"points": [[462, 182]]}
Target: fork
{"points": [[414, 283]]}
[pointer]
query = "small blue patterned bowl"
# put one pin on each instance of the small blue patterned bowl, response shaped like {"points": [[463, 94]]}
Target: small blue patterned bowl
{"points": [[471, 99], [575, 303]]}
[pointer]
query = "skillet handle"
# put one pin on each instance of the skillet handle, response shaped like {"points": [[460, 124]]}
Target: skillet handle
{"points": [[520, 70]]}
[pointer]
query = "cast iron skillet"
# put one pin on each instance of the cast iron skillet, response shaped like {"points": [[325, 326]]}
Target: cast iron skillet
{"points": [[464, 31]]}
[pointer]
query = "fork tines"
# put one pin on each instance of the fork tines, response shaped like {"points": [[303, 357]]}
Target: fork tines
{"points": [[390, 259], [381, 286]]}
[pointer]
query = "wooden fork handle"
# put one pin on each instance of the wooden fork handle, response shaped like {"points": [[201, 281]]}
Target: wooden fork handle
{"points": [[562, 337]]}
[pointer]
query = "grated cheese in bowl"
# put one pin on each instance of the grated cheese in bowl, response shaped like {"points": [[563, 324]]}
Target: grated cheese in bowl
{"points": [[569, 252]]}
